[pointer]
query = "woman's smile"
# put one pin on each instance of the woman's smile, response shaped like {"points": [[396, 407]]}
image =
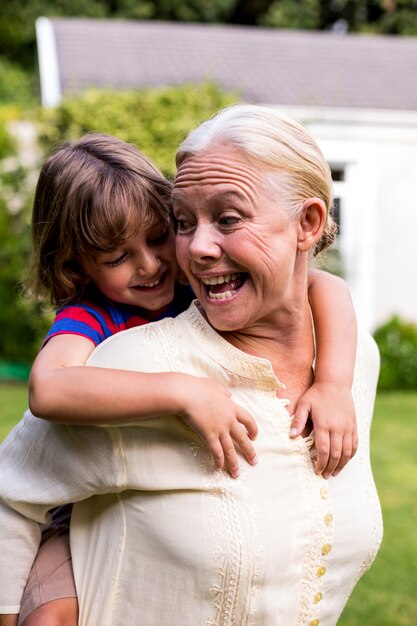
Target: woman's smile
{"points": [[224, 286]]}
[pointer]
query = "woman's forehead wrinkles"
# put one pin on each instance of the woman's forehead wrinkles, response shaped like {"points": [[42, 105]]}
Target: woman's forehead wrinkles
{"points": [[197, 172], [210, 165], [214, 179]]}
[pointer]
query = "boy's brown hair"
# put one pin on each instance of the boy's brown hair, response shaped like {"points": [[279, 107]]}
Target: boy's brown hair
{"points": [[92, 195]]}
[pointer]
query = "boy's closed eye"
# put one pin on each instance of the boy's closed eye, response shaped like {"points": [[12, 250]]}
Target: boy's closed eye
{"points": [[117, 261]]}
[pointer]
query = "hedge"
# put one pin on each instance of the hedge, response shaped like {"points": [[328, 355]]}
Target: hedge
{"points": [[397, 342]]}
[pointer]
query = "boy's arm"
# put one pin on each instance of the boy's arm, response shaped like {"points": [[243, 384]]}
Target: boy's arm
{"points": [[62, 390], [335, 328], [329, 401]]}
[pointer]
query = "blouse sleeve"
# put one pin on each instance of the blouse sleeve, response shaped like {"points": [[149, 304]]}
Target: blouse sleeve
{"points": [[77, 462]]}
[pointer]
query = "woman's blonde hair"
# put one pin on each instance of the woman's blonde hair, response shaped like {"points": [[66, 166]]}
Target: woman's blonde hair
{"points": [[92, 195], [280, 146]]}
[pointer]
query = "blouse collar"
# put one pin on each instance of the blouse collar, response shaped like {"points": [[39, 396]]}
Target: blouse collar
{"points": [[224, 353]]}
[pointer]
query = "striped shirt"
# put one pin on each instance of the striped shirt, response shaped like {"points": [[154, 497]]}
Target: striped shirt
{"points": [[101, 318]]}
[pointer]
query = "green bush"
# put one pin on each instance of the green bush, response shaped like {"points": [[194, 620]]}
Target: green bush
{"points": [[22, 321], [156, 120], [397, 342], [17, 86], [8, 143]]}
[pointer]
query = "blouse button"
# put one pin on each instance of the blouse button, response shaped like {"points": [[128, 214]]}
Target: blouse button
{"points": [[321, 571], [326, 548], [315, 622], [318, 597], [328, 519], [324, 492]]}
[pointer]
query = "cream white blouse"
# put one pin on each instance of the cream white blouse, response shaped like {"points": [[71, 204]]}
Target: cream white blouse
{"points": [[159, 538]]}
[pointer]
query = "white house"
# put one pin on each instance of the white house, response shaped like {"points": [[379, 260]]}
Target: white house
{"points": [[357, 94]]}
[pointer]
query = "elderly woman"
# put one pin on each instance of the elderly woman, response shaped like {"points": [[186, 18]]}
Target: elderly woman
{"points": [[164, 539]]}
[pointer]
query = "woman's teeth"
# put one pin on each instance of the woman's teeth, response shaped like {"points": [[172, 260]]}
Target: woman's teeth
{"points": [[222, 296], [219, 280], [222, 287]]}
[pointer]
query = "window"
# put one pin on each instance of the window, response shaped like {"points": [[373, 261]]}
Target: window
{"points": [[332, 259]]}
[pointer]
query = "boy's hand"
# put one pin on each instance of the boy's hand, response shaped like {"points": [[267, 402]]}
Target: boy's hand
{"points": [[331, 409], [224, 426]]}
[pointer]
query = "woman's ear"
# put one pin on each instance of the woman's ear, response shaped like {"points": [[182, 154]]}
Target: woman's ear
{"points": [[312, 221]]}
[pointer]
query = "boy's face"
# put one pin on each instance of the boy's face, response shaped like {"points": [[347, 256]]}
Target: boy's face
{"points": [[140, 273]]}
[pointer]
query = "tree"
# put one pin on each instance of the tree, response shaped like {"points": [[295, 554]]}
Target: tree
{"points": [[378, 16], [297, 15], [17, 17]]}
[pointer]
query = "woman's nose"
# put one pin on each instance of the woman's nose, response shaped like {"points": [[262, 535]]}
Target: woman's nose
{"points": [[204, 244]]}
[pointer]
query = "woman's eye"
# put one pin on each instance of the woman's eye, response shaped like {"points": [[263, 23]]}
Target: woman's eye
{"points": [[117, 261], [182, 226], [228, 220]]}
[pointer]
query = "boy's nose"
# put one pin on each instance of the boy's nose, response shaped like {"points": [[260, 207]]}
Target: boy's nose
{"points": [[148, 263]]}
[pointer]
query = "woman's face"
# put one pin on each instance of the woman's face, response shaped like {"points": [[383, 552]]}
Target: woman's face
{"points": [[235, 240]]}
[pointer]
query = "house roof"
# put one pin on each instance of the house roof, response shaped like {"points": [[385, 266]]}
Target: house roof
{"points": [[271, 66]]}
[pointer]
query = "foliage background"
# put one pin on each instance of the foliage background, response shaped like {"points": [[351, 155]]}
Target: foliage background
{"points": [[20, 319], [397, 342]]}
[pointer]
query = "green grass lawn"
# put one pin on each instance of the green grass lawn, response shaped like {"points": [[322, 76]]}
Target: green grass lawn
{"points": [[387, 594], [13, 402]]}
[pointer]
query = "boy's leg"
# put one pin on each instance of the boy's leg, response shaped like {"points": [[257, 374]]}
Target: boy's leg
{"points": [[63, 612], [8, 619], [50, 597]]}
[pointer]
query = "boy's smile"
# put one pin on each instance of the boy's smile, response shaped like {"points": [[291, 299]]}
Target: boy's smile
{"points": [[140, 273]]}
